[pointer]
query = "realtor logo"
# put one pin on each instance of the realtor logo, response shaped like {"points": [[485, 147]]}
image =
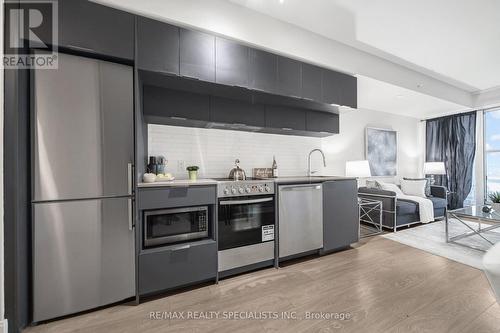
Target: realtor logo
{"points": [[31, 34]]}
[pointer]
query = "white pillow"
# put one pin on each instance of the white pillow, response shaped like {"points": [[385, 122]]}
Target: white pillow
{"points": [[390, 187], [414, 187]]}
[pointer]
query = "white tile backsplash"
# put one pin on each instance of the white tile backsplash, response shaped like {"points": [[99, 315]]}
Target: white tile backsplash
{"points": [[214, 150]]}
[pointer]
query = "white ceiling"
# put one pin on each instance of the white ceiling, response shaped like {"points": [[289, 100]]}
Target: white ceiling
{"points": [[377, 95], [457, 41]]}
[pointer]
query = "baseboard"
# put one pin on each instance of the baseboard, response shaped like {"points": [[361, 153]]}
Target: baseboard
{"points": [[4, 328]]}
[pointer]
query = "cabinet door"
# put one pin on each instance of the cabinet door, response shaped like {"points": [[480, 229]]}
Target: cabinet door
{"points": [[231, 63], [285, 118], [90, 27], [317, 121], [349, 93], [197, 55], [289, 77], [311, 82], [332, 86], [157, 46], [263, 71], [340, 214], [231, 111], [161, 102]]}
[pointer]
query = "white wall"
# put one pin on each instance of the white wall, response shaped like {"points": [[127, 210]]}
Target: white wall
{"points": [[350, 143], [214, 151]]}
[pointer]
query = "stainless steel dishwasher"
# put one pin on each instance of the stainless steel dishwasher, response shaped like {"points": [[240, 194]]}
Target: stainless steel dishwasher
{"points": [[300, 218]]}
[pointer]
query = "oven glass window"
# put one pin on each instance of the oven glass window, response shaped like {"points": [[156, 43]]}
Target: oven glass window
{"points": [[241, 224]]}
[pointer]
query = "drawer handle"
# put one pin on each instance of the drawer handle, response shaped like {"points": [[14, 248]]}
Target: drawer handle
{"points": [[81, 48], [179, 248], [178, 118], [287, 129]]}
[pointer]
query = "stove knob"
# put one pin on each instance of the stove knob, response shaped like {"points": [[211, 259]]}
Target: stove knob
{"points": [[226, 191], [241, 190], [268, 188], [261, 189], [248, 190], [233, 190]]}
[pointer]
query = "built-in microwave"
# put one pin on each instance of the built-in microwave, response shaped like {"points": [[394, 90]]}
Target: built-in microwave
{"points": [[168, 226]]}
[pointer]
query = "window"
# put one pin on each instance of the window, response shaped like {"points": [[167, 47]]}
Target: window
{"points": [[492, 151]]}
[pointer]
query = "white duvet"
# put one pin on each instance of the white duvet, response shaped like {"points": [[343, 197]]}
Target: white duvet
{"points": [[425, 206]]}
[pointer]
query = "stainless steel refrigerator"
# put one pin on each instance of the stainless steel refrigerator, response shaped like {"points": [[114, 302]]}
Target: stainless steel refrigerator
{"points": [[82, 153]]}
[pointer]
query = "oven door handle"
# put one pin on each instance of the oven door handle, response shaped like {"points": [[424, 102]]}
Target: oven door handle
{"points": [[242, 202]]}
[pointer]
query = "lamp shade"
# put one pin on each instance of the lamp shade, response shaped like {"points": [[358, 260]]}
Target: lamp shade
{"points": [[434, 168], [357, 169]]}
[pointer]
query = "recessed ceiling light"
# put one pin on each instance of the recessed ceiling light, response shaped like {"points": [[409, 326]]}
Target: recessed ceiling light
{"points": [[420, 85], [282, 1]]}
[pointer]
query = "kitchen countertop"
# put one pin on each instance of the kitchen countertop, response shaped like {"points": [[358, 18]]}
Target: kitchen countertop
{"points": [[306, 179], [279, 180], [179, 182]]}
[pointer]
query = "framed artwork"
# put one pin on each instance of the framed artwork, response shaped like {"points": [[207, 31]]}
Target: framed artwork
{"points": [[381, 148]]}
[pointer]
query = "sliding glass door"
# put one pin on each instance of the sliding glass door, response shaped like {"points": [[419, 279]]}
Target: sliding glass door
{"points": [[492, 151]]}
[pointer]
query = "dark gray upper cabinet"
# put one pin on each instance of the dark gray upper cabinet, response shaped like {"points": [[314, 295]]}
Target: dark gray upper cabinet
{"points": [[263, 71], [229, 111], [289, 77], [231, 63], [312, 77], [332, 85], [89, 27], [349, 92], [177, 105], [340, 214], [325, 122], [157, 46], [286, 119], [197, 55], [340, 89]]}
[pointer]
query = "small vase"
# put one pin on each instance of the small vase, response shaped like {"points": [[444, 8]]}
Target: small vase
{"points": [[193, 175], [496, 206]]}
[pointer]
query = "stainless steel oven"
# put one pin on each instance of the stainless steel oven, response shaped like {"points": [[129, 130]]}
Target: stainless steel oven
{"points": [[245, 221], [167, 226]]}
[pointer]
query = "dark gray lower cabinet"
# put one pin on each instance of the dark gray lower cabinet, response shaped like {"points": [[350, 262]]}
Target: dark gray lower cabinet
{"points": [[162, 104], [177, 266], [229, 111], [340, 214], [286, 119], [325, 122]]}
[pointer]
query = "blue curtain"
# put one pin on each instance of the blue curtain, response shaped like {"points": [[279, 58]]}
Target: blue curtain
{"points": [[452, 140]]}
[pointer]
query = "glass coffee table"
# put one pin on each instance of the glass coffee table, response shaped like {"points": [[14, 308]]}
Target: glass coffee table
{"points": [[475, 214]]}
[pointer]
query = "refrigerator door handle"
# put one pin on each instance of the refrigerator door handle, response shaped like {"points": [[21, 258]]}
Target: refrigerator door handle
{"points": [[130, 215], [130, 191], [129, 177]]}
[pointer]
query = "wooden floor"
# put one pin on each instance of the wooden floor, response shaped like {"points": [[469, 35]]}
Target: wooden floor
{"points": [[383, 285]]}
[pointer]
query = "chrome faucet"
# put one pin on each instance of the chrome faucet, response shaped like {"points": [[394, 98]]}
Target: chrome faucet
{"points": [[309, 172]]}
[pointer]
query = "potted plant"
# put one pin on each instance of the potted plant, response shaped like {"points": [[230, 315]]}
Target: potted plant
{"points": [[495, 199], [193, 172]]}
